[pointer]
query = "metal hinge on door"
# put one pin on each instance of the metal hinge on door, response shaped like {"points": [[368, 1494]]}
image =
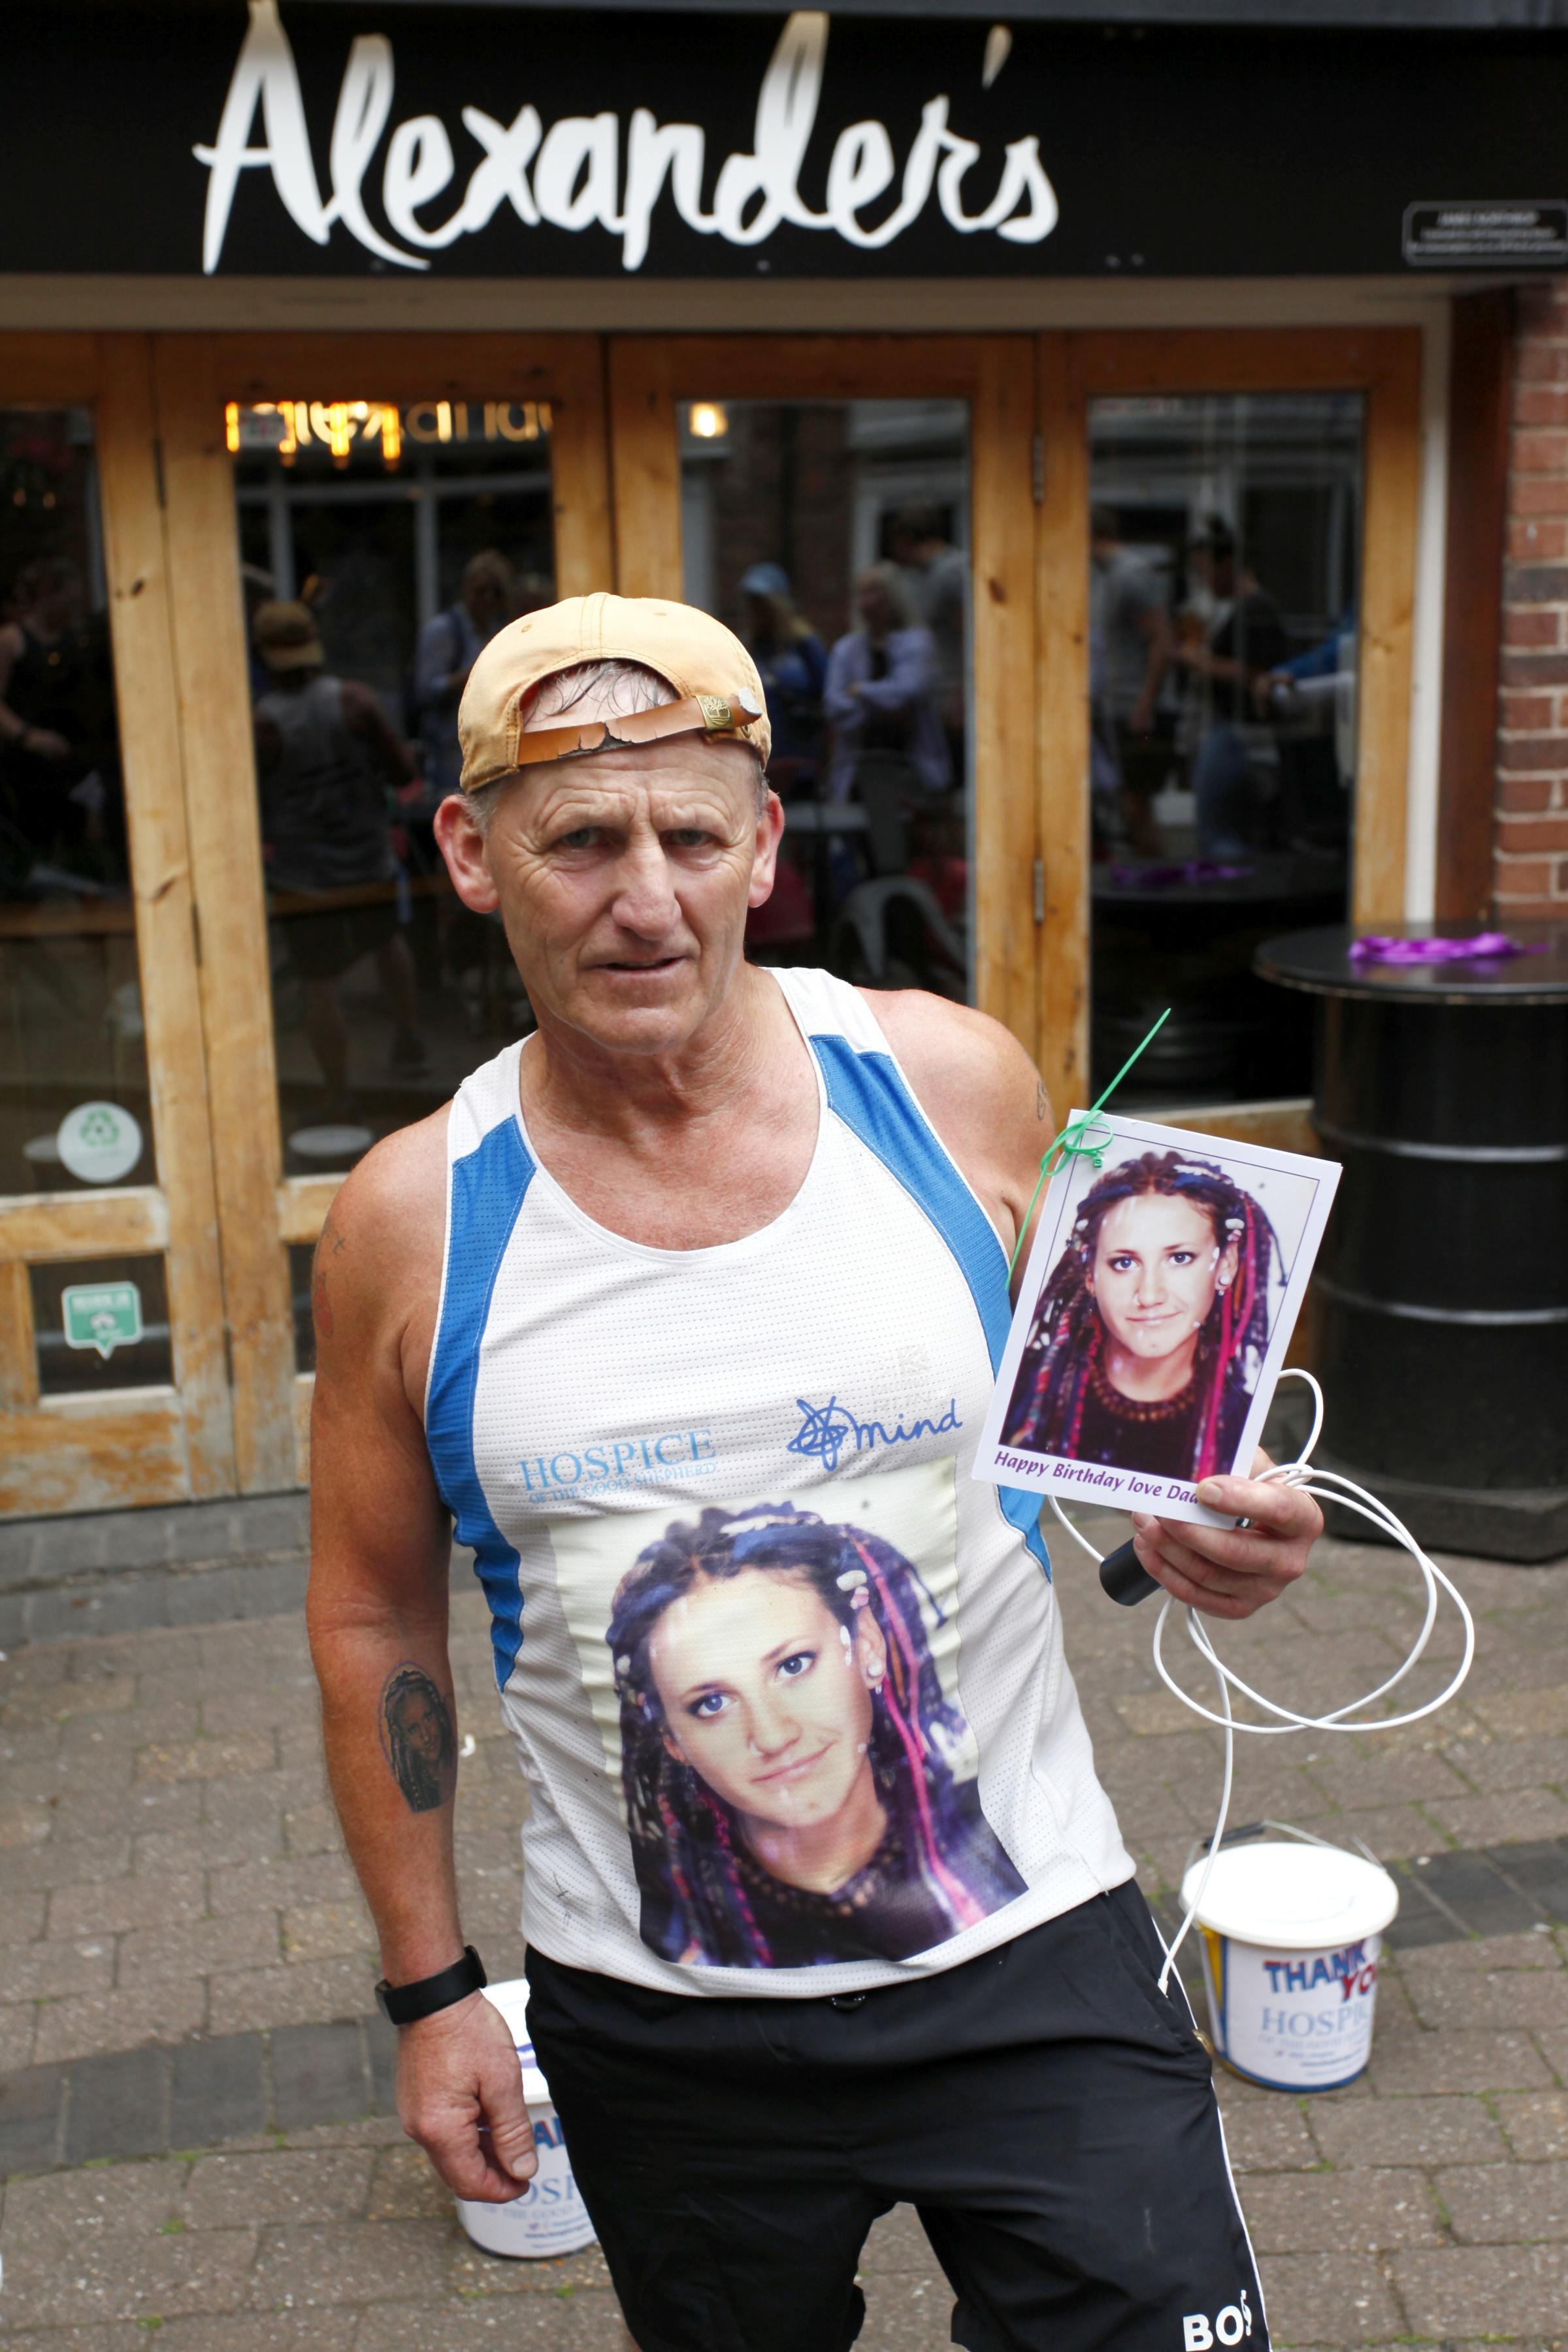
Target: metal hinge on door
{"points": [[1039, 890], [1040, 469]]}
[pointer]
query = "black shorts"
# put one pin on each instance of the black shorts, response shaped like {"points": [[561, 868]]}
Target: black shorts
{"points": [[323, 945], [1048, 2113]]}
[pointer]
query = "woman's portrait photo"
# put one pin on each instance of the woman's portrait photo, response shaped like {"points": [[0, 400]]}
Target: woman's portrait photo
{"points": [[1166, 1296], [798, 1786]]}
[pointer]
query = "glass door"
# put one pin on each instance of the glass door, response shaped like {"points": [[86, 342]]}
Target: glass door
{"points": [[858, 511], [834, 538], [354, 517], [1227, 565], [1224, 557], [112, 1385]]}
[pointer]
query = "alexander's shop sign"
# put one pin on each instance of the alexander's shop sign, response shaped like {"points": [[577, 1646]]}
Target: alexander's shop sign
{"points": [[327, 139]]}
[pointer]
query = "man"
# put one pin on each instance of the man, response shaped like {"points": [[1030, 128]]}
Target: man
{"points": [[880, 688], [938, 574], [444, 654], [327, 761], [1246, 640], [61, 804], [1129, 627], [686, 1311]]}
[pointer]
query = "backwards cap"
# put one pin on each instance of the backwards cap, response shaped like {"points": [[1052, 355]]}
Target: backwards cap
{"points": [[718, 691]]}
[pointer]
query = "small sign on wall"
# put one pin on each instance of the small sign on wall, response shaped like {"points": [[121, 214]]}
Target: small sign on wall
{"points": [[99, 1142], [1486, 236], [101, 1315]]}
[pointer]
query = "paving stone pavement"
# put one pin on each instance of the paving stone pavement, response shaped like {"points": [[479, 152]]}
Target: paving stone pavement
{"points": [[185, 1964]]}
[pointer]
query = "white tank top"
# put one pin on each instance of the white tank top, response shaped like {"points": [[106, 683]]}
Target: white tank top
{"points": [[786, 1683]]}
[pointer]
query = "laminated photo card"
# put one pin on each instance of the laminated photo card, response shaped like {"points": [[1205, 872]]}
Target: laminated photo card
{"points": [[1157, 1307]]}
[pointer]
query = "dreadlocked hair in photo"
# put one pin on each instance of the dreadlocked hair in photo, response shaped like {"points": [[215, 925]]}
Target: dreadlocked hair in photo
{"points": [[686, 1840], [1067, 1337]]}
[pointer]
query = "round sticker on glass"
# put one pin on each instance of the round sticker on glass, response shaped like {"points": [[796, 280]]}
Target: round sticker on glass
{"points": [[99, 1142]]}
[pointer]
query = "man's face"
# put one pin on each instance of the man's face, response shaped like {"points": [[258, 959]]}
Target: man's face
{"points": [[872, 603], [485, 600], [623, 880]]}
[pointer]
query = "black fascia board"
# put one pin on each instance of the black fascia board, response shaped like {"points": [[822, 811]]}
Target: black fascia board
{"points": [[1269, 15]]}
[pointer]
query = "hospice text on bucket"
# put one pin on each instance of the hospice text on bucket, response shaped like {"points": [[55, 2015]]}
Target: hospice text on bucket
{"points": [[575, 177]]}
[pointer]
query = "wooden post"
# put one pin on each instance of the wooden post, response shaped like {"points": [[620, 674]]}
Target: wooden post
{"points": [[580, 468], [1005, 832], [1392, 498], [18, 1352], [646, 464], [235, 1001], [1062, 760], [140, 595]]}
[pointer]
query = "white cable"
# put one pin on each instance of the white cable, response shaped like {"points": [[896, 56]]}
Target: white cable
{"points": [[1334, 1489]]}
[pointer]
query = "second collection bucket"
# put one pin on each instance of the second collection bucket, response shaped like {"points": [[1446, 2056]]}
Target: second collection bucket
{"points": [[1291, 1934], [550, 2217]]}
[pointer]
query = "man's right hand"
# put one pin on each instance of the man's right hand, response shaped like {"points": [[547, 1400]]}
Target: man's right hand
{"points": [[460, 2094]]}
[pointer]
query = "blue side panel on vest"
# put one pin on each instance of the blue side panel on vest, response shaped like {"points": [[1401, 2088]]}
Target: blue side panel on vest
{"points": [[866, 1093], [488, 1184]]}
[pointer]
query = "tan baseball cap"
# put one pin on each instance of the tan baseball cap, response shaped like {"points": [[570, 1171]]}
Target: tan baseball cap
{"points": [[718, 691], [286, 636]]}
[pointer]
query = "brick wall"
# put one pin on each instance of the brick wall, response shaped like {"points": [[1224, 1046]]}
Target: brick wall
{"points": [[1531, 876]]}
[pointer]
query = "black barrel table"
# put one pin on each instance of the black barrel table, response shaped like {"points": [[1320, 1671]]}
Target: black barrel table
{"points": [[1443, 1280]]}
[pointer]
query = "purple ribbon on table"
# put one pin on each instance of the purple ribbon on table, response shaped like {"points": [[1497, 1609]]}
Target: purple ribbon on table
{"points": [[1196, 869], [1480, 947]]}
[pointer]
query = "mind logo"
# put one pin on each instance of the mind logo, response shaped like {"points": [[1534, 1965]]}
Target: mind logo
{"points": [[826, 1430]]}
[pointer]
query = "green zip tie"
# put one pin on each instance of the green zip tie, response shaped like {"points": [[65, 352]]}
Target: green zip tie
{"points": [[1078, 1141]]}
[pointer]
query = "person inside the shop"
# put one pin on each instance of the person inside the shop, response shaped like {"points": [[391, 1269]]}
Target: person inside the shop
{"points": [[61, 806], [1129, 617], [714, 1233], [1318, 779], [444, 654], [938, 577], [792, 666], [491, 592], [1243, 638], [880, 690], [328, 759]]}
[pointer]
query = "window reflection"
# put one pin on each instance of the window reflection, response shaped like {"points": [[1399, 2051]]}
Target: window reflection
{"points": [[1225, 545], [382, 549], [70, 1002], [833, 538]]}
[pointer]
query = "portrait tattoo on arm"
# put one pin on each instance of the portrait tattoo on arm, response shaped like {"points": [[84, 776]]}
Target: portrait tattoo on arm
{"points": [[417, 1739]]}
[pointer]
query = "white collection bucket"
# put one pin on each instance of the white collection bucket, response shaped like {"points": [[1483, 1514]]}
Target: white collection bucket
{"points": [[550, 2217], [1291, 1935]]}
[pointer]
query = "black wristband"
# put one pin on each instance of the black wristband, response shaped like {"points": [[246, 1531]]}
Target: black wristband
{"points": [[405, 2004]]}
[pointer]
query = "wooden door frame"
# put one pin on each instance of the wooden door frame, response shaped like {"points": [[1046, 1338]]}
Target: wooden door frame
{"points": [[142, 1444], [649, 377], [1384, 364], [261, 1210]]}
